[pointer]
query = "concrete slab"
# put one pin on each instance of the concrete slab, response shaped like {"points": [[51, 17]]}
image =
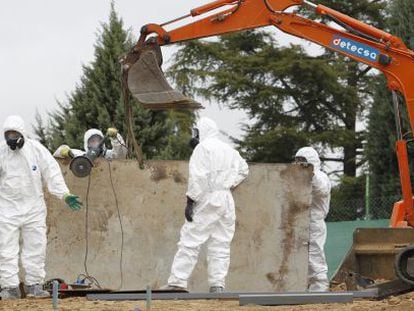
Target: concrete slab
{"points": [[268, 253]]}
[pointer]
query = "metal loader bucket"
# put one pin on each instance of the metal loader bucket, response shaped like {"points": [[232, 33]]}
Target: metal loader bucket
{"points": [[373, 256], [147, 82]]}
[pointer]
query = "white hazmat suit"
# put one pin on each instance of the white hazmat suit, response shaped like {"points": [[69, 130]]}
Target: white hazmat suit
{"points": [[321, 196], [22, 206], [214, 169], [118, 151]]}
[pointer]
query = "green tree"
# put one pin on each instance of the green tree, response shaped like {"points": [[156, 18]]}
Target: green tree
{"points": [[295, 99], [177, 147], [383, 165], [97, 102]]}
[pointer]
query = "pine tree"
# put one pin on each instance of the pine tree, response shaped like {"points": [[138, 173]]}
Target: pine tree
{"points": [[97, 102], [289, 93]]}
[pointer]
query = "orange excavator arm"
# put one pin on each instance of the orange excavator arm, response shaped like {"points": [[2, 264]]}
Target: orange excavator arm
{"points": [[357, 40]]}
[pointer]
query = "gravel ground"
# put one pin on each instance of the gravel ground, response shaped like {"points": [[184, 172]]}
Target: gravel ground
{"points": [[399, 303]]}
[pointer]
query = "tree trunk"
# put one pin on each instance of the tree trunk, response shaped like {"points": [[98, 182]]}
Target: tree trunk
{"points": [[350, 160], [350, 148]]}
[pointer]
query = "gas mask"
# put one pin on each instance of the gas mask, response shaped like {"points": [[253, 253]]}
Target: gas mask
{"points": [[81, 166], [95, 146], [14, 139], [195, 139]]}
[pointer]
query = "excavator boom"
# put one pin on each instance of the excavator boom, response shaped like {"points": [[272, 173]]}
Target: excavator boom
{"points": [[359, 41]]}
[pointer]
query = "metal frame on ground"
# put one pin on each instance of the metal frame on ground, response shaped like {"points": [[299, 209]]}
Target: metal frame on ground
{"points": [[301, 296]]}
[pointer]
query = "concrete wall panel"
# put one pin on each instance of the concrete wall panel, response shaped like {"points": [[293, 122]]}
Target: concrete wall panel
{"points": [[269, 250]]}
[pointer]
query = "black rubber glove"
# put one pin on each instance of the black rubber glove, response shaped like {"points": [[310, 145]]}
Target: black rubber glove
{"points": [[189, 209]]}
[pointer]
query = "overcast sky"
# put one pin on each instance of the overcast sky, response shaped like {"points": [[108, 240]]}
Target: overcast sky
{"points": [[46, 42]]}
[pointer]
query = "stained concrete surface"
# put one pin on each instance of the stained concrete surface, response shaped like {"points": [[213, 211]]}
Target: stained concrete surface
{"points": [[269, 250]]}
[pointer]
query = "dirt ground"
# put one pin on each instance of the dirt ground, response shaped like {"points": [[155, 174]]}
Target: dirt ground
{"points": [[400, 303]]}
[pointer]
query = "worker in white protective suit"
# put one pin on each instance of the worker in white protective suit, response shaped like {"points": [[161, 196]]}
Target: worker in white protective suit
{"points": [[215, 168], [321, 196], [93, 141], [24, 165]]}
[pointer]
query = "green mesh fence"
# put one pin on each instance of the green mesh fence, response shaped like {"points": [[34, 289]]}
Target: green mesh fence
{"points": [[361, 209]]}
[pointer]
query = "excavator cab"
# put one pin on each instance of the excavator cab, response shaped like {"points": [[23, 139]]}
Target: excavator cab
{"points": [[145, 79]]}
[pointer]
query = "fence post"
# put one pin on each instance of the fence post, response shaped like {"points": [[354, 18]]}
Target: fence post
{"points": [[367, 200]]}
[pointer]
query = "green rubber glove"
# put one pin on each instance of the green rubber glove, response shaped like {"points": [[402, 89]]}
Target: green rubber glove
{"points": [[73, 201]]}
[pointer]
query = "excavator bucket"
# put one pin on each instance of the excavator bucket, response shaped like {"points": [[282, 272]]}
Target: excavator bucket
{"points": [[147, 82], [378, 254]]}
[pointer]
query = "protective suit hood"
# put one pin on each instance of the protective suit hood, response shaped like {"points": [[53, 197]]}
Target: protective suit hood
{"points": [[310, 155], [207, 128], [88, 134], [14, 123]]}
